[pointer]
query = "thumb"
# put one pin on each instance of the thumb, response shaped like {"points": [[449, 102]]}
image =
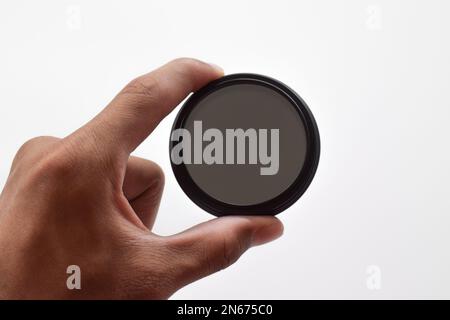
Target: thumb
{"points": [[214, 245]]}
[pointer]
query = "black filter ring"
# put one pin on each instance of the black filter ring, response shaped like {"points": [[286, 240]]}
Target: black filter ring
{"points": [[293, 192]]}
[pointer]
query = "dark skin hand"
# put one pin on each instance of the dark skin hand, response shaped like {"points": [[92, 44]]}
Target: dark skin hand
{"points": [[83, 200]]}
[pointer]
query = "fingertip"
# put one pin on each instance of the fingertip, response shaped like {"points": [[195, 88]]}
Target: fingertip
{"points": [[270, 231], [202, 70], [259, 229], [217, 69]]}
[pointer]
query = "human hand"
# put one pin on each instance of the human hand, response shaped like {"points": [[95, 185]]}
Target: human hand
{"points": [[83, 200]]}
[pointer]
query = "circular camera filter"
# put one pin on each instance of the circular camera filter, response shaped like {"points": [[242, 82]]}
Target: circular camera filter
{"points": [[244, 144]]}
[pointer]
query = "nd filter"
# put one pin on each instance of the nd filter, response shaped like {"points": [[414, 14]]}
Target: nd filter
{"points": [[244, 144]]}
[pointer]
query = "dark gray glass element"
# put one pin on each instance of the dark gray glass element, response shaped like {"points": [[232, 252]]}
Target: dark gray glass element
{"points": [[249, 106]]}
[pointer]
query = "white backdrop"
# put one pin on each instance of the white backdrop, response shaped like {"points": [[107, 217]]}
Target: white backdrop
{"points": [[376, 74]]}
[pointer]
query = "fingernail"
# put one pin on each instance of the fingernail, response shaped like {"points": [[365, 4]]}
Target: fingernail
{"points": [[217, 68], [267, 234]]}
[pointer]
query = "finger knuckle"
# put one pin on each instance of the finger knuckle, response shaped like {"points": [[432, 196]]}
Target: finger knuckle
{"points": [[187, 62], [148, 87], [158, 177], [54, 165], [187, 67], [232, 248], [219, 254], [30, 153], [190, 254], [33, 143]]}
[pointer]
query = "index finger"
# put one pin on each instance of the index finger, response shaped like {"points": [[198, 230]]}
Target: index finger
{"points": [[135, 112]]}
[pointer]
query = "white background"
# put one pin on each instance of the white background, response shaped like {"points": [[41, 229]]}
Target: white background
{"points": [[376, 75]]}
